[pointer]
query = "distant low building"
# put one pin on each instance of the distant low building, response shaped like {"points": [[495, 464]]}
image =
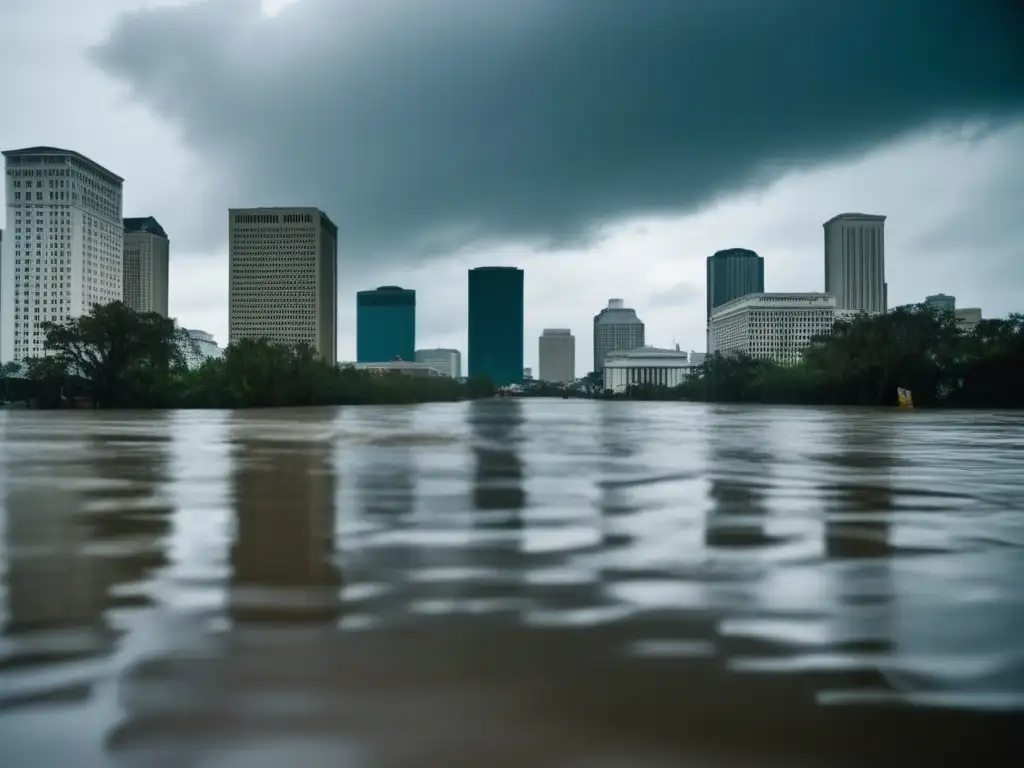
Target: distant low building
{"points": [[771, 326], [202, 348], [447, 361], [405, 367], [645, 365], [968, 318]]}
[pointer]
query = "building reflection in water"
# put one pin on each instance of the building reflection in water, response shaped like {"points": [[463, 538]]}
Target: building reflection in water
{"points": [[387, 482], [496, 427], [282, 559]]}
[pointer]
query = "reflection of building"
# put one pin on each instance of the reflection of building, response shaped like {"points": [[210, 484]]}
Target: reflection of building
{"points": [[771, 326], [385, 324], [616, 329], [63, 210], [855, 261], [146, 255], [496, 324], [202, 348], [498, 480], [447, 361], [941, 302], [281, 559], [647, 365], [396, 366], [968, 318], [860, 498], [733, 273], [283, 278], [557, 356]]}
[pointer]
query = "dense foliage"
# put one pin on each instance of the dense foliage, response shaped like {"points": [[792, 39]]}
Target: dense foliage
{"points": [[865, 360], [116, 358]]}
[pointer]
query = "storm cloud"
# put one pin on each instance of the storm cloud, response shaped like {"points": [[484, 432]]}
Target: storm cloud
{"points": [[425, 126]]}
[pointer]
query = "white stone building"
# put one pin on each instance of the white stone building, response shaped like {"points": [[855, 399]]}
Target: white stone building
{"points": [[396, 366], [64, 244], [556, 356], [771, 326], [283, 278], [645, 365], [855, 261], [202, 348], [146, 265], [447, 361], [616, 329]]}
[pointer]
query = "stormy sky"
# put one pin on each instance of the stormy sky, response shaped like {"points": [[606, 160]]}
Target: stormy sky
{"points": [[606, 147]]}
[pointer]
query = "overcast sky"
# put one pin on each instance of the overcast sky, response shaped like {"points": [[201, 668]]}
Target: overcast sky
{"points": [[606, 147]]}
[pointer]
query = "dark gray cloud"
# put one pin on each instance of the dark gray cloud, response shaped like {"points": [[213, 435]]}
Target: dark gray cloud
{"points": [[425, 125]]}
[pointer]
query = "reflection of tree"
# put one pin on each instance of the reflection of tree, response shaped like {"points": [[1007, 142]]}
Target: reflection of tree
{"points": [[282, 567], [498, 481], [860, 493]]}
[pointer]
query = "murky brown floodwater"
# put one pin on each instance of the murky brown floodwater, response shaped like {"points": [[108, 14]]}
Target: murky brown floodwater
{"points": [[522, 583]]}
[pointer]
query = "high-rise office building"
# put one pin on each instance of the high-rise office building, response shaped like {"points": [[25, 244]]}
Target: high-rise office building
{"points": [[447, 361], [64, 245], [855, 262], [941, 302], [496, 324], [557, 355], [283, 278], [616, 329], [732, 273], [146, 265], [385, 325]]}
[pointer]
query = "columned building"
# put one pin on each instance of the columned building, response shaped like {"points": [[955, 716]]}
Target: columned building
{"points": [[496, 324], [645, 366], [64, 244], [771, 326], [385, 324], [616, 329], [855, 262], [146, 265], [283, 278], [557, 356]]}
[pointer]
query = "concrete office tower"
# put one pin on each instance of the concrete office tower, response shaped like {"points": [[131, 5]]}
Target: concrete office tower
{"points": [[447, 361], [283, 278], [733, 273], [855, 262], [616, 329], [941, 302], [385, 325], [146, 265], [496, 324], [63, 247], [557, 355]]}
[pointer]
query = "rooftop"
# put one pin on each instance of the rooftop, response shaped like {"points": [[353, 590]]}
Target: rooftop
{"points": [[855, 217], [145, 224], [57, 151]]}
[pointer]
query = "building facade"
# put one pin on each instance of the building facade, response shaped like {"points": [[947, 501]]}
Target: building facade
{"points": [[940, 302], [202, 348], [496, 324], [855, 262], [556, 356], [616, 329], [771, 326], [405, 367], [968, 318], [63, 247], [283, 278], [645, 366], [732, 273], [385, 324], [146, 265], [447, 361]]}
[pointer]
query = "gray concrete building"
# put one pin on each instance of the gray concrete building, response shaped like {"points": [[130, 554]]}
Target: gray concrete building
{"points": [[557, 356], [855, 262], [146, 265], [616, 329], [447, 361], [941, 302]]}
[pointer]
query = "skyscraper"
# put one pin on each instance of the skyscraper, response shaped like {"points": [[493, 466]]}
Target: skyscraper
{"points": [[557, 355], [616, 329], [63, 247], [732, 273], [146, 254], [496, 323], [385, 324], [855, 262], [447, 361], [941, 302], [283, 278]]}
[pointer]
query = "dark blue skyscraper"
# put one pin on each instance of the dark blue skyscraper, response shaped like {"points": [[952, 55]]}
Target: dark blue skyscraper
{"points": [[733, 273], [496, 324], [385, 325]]}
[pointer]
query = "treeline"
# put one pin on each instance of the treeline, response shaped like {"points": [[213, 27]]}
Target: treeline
{"points": [[864, 361], [116, 358]]}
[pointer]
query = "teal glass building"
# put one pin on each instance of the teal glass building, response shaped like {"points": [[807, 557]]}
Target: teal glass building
{"points": [[733, 273], [496, 324], [385, 325]]}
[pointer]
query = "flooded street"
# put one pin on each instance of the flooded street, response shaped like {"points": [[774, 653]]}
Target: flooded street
{"points": [[516, 582]]}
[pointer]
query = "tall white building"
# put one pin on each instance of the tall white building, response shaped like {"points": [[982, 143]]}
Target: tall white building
{"points": [[855, 262], [64, 245], [146, 265], [283, 278], [557, 356], [771, 326], [616, 329], [447, 361]]}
